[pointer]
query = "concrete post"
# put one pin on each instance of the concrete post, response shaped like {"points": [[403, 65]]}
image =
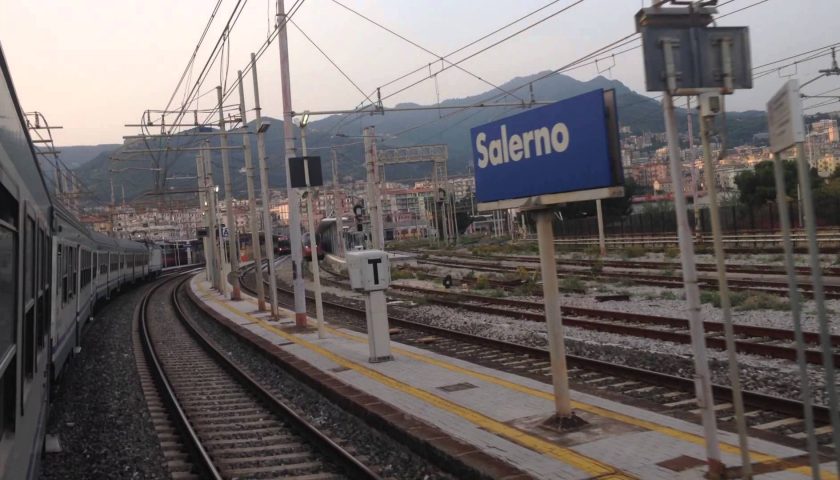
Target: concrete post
{"points": [[252, 202], [233, 250]]}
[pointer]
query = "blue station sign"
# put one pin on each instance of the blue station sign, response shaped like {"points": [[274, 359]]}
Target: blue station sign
{"points": [[566, 146]]}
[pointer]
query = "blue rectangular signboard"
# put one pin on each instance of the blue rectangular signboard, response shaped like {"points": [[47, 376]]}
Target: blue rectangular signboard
{"points": [[567, 146]]}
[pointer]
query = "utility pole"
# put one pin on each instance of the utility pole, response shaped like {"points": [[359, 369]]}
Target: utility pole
{"points": [[374, 200], [252, 202], [337, 203], [233, 250], [294, 200], [202, 198], [698, 229], [268, 231], [212, 189], [313, 237]]}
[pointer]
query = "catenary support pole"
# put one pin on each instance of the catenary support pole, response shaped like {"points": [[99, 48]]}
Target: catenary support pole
{"points": [[725, 305], [313, 244], [374, 200], [233, 250], [253, 220], [338, 204], [211, 207], [703, 381], [698, 228], [796, 314], [602, 244], [803, 170], [265, 193], [289, 139], [553, 319], [202, 199]]}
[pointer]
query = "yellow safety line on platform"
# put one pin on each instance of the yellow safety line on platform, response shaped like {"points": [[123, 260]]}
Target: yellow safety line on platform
{"points": [[595, 410], [582, 462], [757, 457]]}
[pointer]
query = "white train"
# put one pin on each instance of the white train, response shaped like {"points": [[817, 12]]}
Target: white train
{"points": [[53, 274]]}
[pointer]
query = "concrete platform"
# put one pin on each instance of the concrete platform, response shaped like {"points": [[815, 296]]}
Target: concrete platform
{"points": [[500, 413]]}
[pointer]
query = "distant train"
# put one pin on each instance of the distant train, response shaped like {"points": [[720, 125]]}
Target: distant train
{"points": [[53, 273]]}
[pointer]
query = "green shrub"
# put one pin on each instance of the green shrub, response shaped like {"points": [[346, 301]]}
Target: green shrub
{"points": [[421, 275], [671, 252], [592, 251], [747, 300], [401, 274], [573, 284], [633, 251], [596, 267], [668, 295], [762, 301], [482, 282], [710, 297]]}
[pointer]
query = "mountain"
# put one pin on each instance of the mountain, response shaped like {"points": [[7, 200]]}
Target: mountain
{"points": [[76, 156], [445, 124]]}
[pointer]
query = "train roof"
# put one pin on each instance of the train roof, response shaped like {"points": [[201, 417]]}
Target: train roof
{"points": [[130, 245], [17, 144]]}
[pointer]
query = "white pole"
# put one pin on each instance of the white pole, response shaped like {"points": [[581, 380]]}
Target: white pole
{"points": [[553, 319], [217, 225], [819, 296], [725, 305], [796, 315], [202, 199], [703, 380], [252, 201], [337, 203], [602, 244], [289, 140], [374, 210], [697, 227], [313, 243], [232, 243], [265, 194]]}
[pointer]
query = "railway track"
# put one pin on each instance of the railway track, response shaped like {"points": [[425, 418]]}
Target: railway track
{"points": [[644, 264], [764, 341], [766, 414], [660, 280], [225, 423]]}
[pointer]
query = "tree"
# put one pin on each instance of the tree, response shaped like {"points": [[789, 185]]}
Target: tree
{"points": [[759, 186], [613, 207]]}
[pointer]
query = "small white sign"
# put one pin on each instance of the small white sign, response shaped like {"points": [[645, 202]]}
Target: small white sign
{"points": [[784, 117]]}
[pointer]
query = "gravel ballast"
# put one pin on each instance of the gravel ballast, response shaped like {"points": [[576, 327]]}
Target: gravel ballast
{"points": [[98, 409], [392, 459]]}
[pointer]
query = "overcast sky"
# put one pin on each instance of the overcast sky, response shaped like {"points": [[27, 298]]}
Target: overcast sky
{"points": [[94, 65]]}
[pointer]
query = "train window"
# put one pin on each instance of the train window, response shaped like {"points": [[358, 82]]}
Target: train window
{"points": [[8, 290], [74, 270], [8, 391], [62, 271], [29, 261], [28, 350], [8, 207]]}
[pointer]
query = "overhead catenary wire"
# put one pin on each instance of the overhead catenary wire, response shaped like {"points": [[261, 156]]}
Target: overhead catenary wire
{"points": [[342, 72], [415, 44]]}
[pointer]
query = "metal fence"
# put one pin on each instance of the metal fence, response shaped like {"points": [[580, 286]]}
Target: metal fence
{"points": [[734, 219]]}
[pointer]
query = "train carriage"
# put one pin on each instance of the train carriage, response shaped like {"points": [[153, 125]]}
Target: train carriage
{"points": [[25, 291], [53, 272]]}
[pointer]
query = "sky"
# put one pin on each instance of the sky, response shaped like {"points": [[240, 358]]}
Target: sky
{"points": [[93, 66]]}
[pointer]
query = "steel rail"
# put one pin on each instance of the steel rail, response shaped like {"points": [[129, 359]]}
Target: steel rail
{"points": [[199, 455], [757, 400], [775, 288], [336, 453]]}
